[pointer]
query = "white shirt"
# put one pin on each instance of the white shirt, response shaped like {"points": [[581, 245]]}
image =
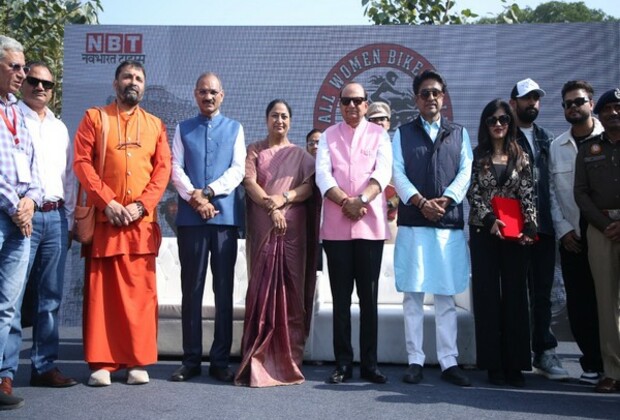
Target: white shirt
{"points": [[224, 185], [54, 152], [529, 135], [562, 156]]}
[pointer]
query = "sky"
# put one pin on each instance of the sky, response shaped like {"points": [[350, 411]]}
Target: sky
{"points": [[277, 12]]}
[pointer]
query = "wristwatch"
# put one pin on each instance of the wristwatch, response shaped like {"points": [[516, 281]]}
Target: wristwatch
{"points": [[363, 199], [208, 193], [285, 194]]}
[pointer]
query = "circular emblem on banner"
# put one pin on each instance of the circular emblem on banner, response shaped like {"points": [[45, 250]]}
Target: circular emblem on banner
{"points": [[386, 71], [595, 149]]}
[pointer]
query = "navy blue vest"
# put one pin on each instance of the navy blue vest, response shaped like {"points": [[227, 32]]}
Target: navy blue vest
{"points": [[431, 167], [209, 146]]}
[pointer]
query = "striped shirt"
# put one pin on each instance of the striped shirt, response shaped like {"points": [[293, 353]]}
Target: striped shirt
{"points": [[11, 189]]}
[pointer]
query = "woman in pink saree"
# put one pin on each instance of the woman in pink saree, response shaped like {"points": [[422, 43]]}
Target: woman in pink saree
{"points": [[281, 242]]}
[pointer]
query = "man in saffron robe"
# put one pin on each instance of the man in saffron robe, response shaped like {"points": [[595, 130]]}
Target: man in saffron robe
{"points": [[120, 293]]}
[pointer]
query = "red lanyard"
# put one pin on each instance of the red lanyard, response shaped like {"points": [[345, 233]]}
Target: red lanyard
{"points": [[12, 127]]}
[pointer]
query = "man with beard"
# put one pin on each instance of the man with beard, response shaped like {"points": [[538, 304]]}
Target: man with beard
{"points": [[353, 167], [208, 166], [570, 226], [597, 193], [535, 140], [125, 183]]}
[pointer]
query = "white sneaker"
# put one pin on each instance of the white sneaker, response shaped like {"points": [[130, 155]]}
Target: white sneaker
{"points": [[137, 376], [548, 365], [100, 377], [590, 377]]}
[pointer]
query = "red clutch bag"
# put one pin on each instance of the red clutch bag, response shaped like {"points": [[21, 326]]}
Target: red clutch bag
{"points": [[508, 210]]}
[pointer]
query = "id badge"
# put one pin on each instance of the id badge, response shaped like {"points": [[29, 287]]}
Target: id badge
{"points": [[22, 164]]}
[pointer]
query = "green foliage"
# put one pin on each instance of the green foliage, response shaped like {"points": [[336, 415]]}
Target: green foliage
{"points": [[549, 12], [415, 12], [40, 26]]}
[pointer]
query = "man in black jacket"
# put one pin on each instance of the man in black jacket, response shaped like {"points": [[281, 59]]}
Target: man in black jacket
{"points": [[535, 140]]}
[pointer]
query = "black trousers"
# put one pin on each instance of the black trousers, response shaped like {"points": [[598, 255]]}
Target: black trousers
{"points": [[581, 305], [540, 275], [195, 245], [356, 262], [499, 290]]}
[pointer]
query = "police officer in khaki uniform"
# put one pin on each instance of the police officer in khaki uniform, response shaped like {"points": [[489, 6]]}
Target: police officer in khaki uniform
{"points": [[597, 193]]}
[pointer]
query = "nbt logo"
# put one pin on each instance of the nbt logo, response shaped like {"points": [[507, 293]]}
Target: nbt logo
{"points": [[104, 43]]}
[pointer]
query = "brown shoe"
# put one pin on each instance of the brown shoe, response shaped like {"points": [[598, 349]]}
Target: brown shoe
{"points": [[607, 386], [6, 386], [51, 379]]}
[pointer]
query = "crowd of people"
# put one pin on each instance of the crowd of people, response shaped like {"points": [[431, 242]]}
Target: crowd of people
{"points": [[337, 195]]}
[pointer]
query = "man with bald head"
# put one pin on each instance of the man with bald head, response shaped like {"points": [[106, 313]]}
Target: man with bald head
{"points": [[353, 166], [208, 164]]}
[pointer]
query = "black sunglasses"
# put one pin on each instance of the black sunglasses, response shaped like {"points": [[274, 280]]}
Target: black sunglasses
{"points": [[356, 101], [577, 102], [17, 67], [503, 120], [426, 93], [34, 82]]}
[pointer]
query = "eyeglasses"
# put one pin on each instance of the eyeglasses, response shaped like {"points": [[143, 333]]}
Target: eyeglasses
{"points": [[577, 102], [16, 67], [503, 120], [356, 101], [426, 93], [205, 92], [313, 143], [34, 82], [378, 119]]}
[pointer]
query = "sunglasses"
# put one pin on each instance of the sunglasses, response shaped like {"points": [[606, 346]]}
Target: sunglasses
{"points": [[426, 93], [503, 120], [378, 119], [356, 101], [34, 82], [577, 102], [18, 67]]}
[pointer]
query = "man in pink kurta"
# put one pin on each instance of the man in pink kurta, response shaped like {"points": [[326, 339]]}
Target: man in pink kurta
{"points": [[353, 166]]}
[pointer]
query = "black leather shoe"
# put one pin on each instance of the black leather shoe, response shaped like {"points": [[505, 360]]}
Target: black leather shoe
{"points": [[496, 377], [515, 378], [184, 373], [454, 376], [52, 379], [373, 375], [221, 374], [413, 374], [340, 375]]}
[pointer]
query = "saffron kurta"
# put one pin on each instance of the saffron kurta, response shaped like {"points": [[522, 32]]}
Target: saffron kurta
{"points": [[120, 293], [282, 273]]}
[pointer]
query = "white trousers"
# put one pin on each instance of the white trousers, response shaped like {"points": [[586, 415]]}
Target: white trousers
{"points": [[445, 328]]}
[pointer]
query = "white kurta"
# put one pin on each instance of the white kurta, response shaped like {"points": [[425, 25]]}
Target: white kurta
{"points": [[427, 259]]}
